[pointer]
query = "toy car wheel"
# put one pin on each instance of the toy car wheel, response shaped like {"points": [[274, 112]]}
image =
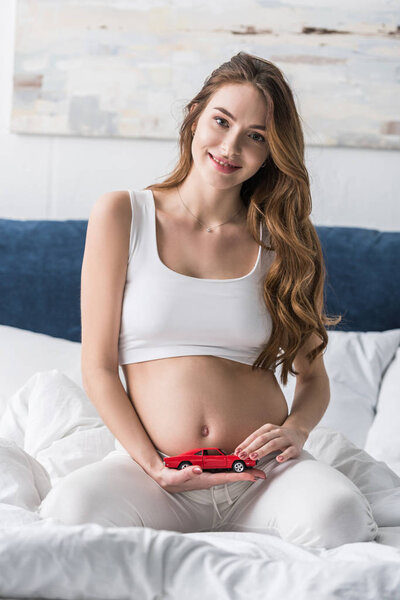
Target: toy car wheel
{"points": [[184, 464], [238, 466]]}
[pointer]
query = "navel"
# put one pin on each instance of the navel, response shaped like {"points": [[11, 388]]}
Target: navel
{"points": [[204, 430]]}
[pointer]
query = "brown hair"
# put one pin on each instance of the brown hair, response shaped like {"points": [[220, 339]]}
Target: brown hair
{"points": [[279, 195]]}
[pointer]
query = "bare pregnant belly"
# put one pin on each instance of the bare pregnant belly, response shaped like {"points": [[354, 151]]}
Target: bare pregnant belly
{"points": [[190, 402]]}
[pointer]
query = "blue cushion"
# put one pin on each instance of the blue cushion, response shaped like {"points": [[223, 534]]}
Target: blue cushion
{"points": [[363, 277], [40, 272]]}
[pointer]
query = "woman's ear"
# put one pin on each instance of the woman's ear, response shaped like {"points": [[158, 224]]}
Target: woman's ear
{"points": [[194, 124], [192, 108]]}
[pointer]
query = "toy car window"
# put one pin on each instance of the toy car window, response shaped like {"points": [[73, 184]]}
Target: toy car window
{"points": [[213, 451], [199, 453]]}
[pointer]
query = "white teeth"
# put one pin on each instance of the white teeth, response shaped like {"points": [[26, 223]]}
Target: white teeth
{"points": [[221, 163]]}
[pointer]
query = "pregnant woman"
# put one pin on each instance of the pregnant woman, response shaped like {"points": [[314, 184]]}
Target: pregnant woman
{"points": [[199, 287]]}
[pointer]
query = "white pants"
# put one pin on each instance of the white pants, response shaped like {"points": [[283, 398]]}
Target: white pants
{"points": [[302, 500]]}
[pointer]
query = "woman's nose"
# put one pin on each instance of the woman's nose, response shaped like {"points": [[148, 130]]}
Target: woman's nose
{"points": [[231, 148]]}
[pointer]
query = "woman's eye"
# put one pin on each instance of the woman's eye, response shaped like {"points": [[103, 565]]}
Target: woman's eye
{"points": [[260, 137], [220, 119]]}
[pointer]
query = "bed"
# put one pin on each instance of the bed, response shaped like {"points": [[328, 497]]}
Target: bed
{"points": [[48, 428]]}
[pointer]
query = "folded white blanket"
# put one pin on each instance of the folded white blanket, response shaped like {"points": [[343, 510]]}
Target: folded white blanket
{"points": [[50, 428], [53, 420]]}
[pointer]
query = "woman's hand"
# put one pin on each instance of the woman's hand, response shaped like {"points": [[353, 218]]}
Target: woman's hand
{"points": [[270, 438], [183, 480]]}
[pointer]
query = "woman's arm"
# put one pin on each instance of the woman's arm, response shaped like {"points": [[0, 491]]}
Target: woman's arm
{"points": [[312, 392], [311, 399], [103, 280], [106, 392]]}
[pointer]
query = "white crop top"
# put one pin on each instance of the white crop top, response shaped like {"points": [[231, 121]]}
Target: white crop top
{"points": [[166, 313]]}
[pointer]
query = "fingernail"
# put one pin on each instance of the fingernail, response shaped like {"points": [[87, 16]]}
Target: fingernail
{"points": [[197, 470]]}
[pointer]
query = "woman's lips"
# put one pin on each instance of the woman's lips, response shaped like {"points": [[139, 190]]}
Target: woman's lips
{"points": [[221, 168]]}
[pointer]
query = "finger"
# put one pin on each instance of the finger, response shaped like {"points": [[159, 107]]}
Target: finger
{"points": [[263, 429], [263, 439], [265, 444], [196, 472], [188, 473], [223, 478], [286, 455], [258, 473], [249, 476]]}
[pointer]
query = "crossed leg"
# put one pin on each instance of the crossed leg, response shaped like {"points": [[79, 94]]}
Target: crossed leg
{"points": [[117, 492], [306, 502]]}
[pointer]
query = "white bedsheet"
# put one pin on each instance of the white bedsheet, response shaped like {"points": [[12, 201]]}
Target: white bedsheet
{"points": [[49, 428]]}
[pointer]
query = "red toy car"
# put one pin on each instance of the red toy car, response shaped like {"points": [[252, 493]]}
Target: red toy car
{"points": [[209, 458]]}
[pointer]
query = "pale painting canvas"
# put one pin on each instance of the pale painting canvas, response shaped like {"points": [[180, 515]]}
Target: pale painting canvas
{"points": [[126, 68]]}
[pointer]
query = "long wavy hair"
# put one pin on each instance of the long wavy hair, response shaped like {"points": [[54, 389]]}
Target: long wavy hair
{"points": [[279, 196]]}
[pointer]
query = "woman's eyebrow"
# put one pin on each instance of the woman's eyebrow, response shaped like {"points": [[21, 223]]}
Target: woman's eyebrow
{"points": [[228, 114]]}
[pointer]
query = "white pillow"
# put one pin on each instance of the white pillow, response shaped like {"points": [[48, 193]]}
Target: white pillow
{"points": [[24, 353], [355, 362], [382, 439]]}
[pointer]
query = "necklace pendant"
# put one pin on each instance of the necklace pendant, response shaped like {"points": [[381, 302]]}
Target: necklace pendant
{"points": [[209, 229]]}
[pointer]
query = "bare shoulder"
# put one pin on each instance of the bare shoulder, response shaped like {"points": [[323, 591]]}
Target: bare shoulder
{"points": [[116, 203], [111, 217]]}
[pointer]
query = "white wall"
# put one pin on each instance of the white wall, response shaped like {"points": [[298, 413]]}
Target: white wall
{"points": [[49, 177]]}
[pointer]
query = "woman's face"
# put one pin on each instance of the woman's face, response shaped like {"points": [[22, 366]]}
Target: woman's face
{"points": [[237, 139]]}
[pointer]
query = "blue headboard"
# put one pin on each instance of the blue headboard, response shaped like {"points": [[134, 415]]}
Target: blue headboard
{"points": [[40, 272]]}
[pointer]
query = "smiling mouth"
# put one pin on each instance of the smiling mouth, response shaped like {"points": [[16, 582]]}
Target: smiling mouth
{"points": [[223, 164]]}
